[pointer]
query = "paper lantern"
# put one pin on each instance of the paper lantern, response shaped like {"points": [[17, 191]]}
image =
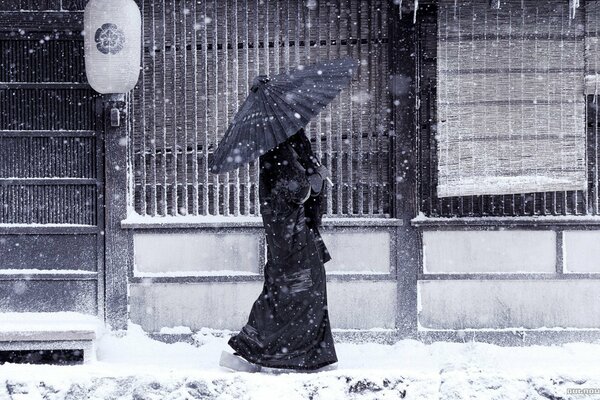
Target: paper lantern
{"points": [[112, 40]]}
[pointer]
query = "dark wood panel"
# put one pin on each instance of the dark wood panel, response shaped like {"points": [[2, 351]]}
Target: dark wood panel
{"points": [[17, 133], [118, 242], [30, 5], [26, 60], [51, 167], [44, 21], [73, 5], [9, 229], [77, 252], [48, 204], [47, 157], [47, 109], [48, 296]]}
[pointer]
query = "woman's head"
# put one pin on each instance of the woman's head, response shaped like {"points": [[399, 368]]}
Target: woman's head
{"points": [[284, 174]]}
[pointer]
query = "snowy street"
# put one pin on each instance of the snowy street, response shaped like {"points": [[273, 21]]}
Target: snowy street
{"points": [[134, 366], [399, 199]]}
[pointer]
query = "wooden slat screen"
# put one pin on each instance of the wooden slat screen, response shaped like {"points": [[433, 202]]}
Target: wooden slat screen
{"points": [[35, 55], [48, 140], [198, 60], [511, 110], [42, 5]]}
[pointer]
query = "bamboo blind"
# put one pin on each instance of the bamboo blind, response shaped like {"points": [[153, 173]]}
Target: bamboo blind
{"points": [[510, 104], [199, 59]]}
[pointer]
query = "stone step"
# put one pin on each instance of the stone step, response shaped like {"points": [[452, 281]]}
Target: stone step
{"points": [[50, 331]]}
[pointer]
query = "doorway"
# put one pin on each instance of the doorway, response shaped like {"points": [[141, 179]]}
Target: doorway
{"points": [[51, 172]]}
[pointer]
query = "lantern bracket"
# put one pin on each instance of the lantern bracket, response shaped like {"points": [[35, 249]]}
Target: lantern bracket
{"points": [[115, 117], [115, 108]]}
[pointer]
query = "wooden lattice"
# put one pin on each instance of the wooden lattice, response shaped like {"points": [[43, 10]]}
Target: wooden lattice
{"points": [[199, 59]]}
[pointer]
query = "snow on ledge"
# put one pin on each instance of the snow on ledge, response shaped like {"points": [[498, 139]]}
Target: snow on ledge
{"points": [[182, 274], [423, 220], [356, 272], [137, 221], [421, 328], [48, 225], [35, 271], [49, 321]]}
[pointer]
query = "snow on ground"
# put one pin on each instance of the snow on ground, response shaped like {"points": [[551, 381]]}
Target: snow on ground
{"points": [[131, 365]]}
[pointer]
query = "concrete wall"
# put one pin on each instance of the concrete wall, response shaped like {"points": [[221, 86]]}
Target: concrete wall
{"points": [[489, 251], [201, 278], [225, 305], [359, 252], [498, 304], [472, 279], [166, 253], [581, 251]]}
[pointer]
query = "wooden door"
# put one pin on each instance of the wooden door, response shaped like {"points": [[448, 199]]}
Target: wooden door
{"points": [[51, 169]]}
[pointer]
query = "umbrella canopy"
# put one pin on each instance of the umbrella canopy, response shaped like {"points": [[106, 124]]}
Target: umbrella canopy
{"points": [[278, 107]]}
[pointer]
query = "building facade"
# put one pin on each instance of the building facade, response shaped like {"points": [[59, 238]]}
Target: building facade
{"points": [[463, 157]]}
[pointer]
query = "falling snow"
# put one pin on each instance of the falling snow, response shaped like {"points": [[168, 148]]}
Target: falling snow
{"points": [[107, 168]]}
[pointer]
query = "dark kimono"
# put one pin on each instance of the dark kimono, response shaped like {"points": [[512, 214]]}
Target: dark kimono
{"points": [[288, 326]]}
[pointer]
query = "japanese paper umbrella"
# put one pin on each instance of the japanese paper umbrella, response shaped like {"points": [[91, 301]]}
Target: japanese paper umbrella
{"points": [[276, 108]]}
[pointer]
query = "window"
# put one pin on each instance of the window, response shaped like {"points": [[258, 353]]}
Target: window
{"points": [[198, 60], [502, 121]]}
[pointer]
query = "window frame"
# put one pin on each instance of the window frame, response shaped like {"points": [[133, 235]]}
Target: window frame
{"points": [[155, 192], [512, 206]]}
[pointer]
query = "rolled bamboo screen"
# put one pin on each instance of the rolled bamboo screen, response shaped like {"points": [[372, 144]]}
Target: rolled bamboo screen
{"points": [[510, 98]]}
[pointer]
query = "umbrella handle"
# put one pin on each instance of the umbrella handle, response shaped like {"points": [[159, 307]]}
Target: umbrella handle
{"points": [[329, 180]]}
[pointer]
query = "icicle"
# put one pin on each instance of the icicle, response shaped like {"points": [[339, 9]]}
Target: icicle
{"points": [[595, 99], [573, 6], [455, 8], [400, 8], [415, 14], [495, 4]]}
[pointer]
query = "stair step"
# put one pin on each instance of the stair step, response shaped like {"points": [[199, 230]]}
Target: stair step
{"points": [[50, 331]]}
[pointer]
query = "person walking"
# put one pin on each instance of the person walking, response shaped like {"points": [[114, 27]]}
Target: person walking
{"points": [[288, 326]]}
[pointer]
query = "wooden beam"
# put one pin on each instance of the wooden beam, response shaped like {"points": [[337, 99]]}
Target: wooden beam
{"points": [[118, 242], [407, 240], [41, 21]]}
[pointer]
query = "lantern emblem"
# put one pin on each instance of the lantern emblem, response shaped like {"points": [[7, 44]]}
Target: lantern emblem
{"points": [[112, 42], [109, 39]]}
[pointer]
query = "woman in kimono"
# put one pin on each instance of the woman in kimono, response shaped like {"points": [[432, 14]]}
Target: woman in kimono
{"points": [[288, 326]]}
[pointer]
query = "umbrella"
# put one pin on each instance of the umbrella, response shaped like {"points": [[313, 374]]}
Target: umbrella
{"points": [[276, 108]]}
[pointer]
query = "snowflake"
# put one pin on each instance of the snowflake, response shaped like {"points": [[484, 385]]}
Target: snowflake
{"points": [[109, 39]]}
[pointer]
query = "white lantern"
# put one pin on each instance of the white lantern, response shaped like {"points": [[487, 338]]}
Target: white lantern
{"points": [[112, 41]]}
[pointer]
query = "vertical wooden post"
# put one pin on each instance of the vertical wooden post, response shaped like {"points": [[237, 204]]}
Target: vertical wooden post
{"points": [[404, 204], [117, 240]]}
